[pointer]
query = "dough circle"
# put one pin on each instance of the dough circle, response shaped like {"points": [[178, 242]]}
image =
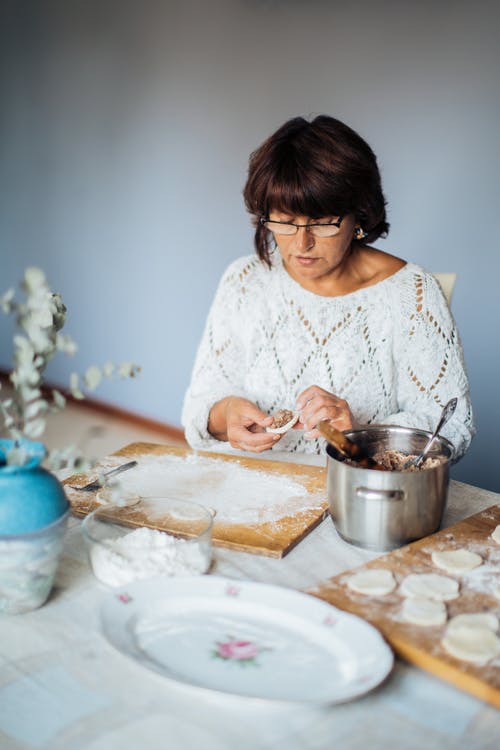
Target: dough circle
{"points": [[471, 643], [372, 582], [424, 612], [495, 534], [285, 427], [474, 620], [429, 586], [456, 561]]}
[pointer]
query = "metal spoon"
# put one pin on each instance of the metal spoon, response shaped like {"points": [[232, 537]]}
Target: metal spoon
{"points": [[92, 486], [448, 411]]}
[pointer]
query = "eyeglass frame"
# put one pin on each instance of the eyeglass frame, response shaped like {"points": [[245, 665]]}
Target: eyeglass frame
{"points": [[263, 220]]}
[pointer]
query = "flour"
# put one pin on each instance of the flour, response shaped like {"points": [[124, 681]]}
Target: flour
{"points": [[144, 553], [238, 495]]}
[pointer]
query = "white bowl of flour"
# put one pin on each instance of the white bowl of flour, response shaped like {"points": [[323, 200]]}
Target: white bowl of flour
{"points": [[121, 550]]}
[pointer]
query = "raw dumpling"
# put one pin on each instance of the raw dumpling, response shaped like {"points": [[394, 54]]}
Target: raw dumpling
{"points": [[456, 561], [373, 582], [471, 643], [429, 586], [471, 637], [474, 620], [424, 612]]}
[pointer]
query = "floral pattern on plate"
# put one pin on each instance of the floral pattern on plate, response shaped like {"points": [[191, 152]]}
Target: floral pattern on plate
{"points": [[243, 652]]}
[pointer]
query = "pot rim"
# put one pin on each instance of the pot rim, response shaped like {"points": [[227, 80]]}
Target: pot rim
{"points": [[398, 430]]}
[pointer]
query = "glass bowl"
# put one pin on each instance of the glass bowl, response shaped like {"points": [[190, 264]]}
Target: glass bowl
{"points": [[123, 548], [28, 564]]}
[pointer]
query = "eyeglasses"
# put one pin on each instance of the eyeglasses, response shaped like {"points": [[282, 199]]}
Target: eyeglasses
{"points": [[289, 228]]}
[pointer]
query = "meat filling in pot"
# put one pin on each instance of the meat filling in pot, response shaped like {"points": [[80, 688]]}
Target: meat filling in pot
{"points": [[393, 460]]}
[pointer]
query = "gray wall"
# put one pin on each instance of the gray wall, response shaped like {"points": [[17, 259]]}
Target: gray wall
{"points": [[125, 132]]}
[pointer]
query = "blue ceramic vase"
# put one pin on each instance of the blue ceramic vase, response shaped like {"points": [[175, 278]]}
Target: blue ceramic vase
{"points": [[30, 497], [33, 515]]}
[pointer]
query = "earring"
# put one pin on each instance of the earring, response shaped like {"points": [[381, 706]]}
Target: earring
{"points": [[359, 233]]}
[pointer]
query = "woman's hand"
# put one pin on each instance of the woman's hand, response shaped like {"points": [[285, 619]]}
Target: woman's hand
{"points": [[242, 423], [316, 404]]}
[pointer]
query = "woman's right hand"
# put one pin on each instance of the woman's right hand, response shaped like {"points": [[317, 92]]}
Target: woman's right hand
{"points": [[242, 424]]}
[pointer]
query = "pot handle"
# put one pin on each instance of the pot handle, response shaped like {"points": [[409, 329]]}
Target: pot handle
{"points": [[366, 493]]}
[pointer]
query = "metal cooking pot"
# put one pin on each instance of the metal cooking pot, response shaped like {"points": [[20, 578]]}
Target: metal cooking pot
{"points": [[382, 510]]}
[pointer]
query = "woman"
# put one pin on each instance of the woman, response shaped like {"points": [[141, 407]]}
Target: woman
{"points": [[320, 321]]}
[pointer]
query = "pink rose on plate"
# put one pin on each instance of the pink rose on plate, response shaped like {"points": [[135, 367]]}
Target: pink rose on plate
{"points": [[237, 650]]}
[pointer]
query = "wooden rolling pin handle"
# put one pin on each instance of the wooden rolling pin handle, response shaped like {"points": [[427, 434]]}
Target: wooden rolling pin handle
{"points": [[368, 463], [347, 448]]}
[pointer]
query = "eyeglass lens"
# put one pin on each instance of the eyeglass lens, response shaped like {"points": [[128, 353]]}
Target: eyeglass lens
{"points": [[318, 230]]}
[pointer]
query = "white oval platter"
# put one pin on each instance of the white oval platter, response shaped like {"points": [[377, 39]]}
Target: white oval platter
{"points": [[246, 639]]}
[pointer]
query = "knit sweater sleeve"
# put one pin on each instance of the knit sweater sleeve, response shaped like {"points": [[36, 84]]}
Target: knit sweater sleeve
{"points": [[430, 368], [219, 362]]}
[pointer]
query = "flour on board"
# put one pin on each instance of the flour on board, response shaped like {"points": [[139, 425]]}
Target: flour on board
{"points": [[237, 494]]}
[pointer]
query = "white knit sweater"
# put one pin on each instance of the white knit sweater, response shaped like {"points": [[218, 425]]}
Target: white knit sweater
{"points": [[391, 350]]}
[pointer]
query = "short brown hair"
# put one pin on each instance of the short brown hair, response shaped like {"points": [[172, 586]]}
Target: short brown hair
{"points": [[315, 169]]}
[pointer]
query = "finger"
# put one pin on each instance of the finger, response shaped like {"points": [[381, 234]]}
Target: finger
{"points": [[245, 445], [331, 413], [317, 401], [312, 434], [241, 426], [242, 436], [308, 394], [342, 422], [306, 411], [254, 449], [255, 428], [267, 421], [317, 412], [254, 414]]}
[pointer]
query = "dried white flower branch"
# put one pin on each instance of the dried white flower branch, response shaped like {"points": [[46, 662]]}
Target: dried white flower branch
{"points": [[40, 318]]}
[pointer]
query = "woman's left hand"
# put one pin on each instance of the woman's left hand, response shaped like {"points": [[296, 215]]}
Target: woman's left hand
{"points": [[315, 404]]}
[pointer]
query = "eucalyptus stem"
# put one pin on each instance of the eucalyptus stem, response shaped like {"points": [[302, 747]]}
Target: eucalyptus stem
{"points": [[40, 318]]}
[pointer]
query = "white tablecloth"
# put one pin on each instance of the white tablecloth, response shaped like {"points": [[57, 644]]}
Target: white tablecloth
{"points": [[63, 687]]}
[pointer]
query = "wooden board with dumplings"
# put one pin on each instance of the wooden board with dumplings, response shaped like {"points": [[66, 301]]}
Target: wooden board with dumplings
{"points": [[478, 592]]}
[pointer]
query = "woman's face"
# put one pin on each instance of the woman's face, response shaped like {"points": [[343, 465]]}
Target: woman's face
{"points": [[311, 260]]}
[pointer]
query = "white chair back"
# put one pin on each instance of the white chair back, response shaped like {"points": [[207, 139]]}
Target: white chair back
{"points": [[447, 283]]}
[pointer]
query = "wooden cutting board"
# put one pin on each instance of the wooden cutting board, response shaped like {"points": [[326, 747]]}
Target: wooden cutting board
{"points": [[273, 539], [421, 645]]}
